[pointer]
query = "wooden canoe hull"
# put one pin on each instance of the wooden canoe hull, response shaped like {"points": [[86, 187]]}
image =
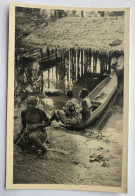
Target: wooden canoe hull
{"points": [[100, 96]]}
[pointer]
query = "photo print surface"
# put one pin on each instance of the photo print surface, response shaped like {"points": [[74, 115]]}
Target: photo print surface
{"points": [[67, 106]]}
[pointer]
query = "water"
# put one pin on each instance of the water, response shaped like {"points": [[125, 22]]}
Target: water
{"points": [[45, 83], [79, 69], [59, 79], [67, 77], [75, 70]]}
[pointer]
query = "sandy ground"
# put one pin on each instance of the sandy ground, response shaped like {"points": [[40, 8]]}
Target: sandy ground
{"points": [[91, 157]]}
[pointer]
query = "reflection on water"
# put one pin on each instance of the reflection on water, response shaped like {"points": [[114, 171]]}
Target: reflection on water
{"points": [[64, 78], [77, 69], [74, 73]]}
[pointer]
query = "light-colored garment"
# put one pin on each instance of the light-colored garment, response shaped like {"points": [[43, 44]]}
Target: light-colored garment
{"points": [[72, 108], [70, 116], [69, 122]]}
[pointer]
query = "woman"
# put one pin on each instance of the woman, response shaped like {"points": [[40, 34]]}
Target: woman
{"points": [[86, 104], [33, 130], [70, 115]]}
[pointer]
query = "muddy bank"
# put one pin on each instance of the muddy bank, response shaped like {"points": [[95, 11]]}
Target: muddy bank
{"points": [[90, 157]]}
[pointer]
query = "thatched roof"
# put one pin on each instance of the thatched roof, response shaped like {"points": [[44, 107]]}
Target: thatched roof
{"points": [[97, 33]]}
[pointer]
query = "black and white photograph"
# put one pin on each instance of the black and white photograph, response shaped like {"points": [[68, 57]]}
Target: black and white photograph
{"points": [[67, 108]]}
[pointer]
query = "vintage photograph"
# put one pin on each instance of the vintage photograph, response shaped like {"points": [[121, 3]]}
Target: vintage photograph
{"points": [[69, 97]]}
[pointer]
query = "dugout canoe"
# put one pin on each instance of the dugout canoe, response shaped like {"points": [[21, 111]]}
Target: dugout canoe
{"points": [[100, 97]]}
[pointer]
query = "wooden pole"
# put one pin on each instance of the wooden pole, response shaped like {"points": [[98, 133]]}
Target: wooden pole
{"points": [[104, 65], [69, 66], [76, 67], [42, 83], [63, 63], [85, 61], [61, 58], [56, 75], [41, 59], [74, 63], [48, 54], [73, 74], [83, 51], [56, 53], [48, 78], [78, 61], [95, 63], [109, 62], [64, 58], [71, 59], [82, 61], [90, 55]]}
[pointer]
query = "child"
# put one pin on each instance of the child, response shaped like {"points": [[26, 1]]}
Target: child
{"points": [[86, 104]]}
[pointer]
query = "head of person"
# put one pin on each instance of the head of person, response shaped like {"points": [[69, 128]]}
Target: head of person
{"points": [[69, 94], [31, 103], [83, 93]]}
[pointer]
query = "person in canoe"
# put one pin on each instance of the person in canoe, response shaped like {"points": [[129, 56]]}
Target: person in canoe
{"points": [[86, 106], [33, 132], [70, 115]]}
